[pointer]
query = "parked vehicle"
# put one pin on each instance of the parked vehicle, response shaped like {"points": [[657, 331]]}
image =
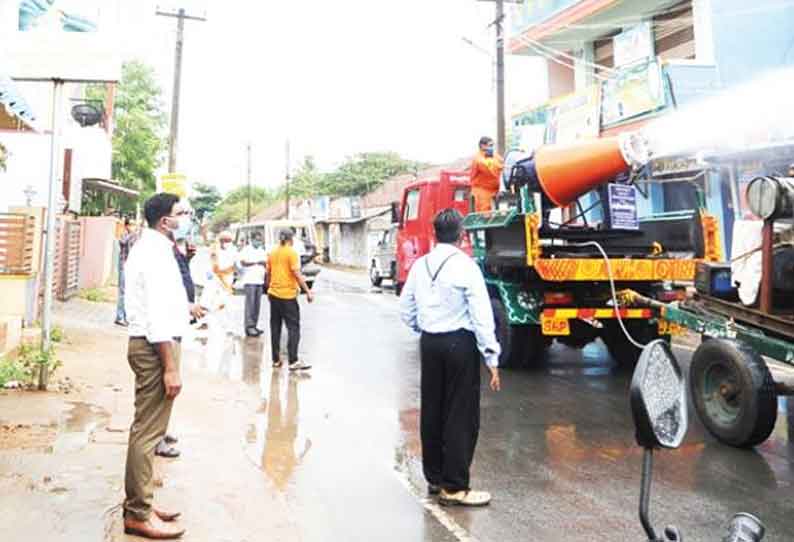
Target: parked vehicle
{"points": [[421, 200], [384, 259], [305, 241]]}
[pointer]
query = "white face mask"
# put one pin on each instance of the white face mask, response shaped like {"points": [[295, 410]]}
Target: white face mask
{"points": [[183, 227]]}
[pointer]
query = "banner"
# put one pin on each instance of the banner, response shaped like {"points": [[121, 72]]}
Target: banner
{"points": [[635, 91], [633, 44], [573, 117]]}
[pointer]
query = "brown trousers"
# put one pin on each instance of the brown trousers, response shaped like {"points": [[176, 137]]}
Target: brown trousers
{"points": [[152, 413]]}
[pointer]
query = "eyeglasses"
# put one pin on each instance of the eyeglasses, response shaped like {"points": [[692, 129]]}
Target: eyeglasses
{"points": [[182, 213]]}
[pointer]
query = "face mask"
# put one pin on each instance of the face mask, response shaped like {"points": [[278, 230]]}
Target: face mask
{"points": [[256, 244], [183, 227], [489, 152]]}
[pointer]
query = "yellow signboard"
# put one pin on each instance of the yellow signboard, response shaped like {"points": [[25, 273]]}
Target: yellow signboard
{"points": [[173, 183]]}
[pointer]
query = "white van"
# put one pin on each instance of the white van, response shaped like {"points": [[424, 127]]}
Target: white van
{"points": [[305, 241]]}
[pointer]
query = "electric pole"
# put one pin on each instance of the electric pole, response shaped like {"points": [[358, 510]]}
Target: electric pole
{"points": [[287, 186], [180, 16], [248, 206], [501, 132]]}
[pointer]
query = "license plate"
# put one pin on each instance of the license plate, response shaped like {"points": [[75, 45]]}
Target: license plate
{"points": [[670, 328], [555, 326]]}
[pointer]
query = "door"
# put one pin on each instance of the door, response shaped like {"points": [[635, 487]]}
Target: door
{"points": [[411, 231]]}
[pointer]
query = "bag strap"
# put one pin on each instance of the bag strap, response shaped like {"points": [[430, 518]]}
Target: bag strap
{"points": [[434, 276]]}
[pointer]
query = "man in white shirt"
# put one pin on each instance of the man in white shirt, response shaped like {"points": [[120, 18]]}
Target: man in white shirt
{"points": [[158, 313], [253, 260], [446, 300]]}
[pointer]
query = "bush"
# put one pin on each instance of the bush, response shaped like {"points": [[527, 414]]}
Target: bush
{"points": [[11, 371], [94, 295], [26, 368]]}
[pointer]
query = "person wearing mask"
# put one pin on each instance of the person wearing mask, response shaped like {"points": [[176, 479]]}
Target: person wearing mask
{"points": [[224, 258], [486, 169], [158, 311], [183, 252], [253, 260], [446, 300], [284, 269], [127, 239]]}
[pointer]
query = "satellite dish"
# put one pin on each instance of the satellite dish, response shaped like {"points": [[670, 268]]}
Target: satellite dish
{"points": [[86, 114]]}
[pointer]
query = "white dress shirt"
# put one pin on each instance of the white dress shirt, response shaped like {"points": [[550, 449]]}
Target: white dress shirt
{"points": [[155, 298], [456, 299], [254, 274]]}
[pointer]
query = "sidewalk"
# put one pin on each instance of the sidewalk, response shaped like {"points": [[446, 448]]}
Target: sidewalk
{"points": [[62, 454]]}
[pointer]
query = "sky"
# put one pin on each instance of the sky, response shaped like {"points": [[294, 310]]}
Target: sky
{"points": [[333, 78]]}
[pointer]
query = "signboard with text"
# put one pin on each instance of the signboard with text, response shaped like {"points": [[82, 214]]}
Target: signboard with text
{"points": [[634, 91], [633, 44], [173, 183], [573, 117], [623, 206]]}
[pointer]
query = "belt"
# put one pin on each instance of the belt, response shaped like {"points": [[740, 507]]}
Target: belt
{"points": [[143, 338], [448, 333]]}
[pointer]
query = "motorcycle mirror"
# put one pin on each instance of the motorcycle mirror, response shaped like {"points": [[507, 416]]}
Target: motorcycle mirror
{"points": [[658, 398]]}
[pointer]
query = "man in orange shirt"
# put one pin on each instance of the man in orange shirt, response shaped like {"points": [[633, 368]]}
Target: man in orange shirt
{"points": [[284, 270], [486, 169]]}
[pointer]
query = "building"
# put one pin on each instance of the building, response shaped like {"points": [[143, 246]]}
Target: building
{"points": [[617, 65]]}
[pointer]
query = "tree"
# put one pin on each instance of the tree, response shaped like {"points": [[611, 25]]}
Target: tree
{"points": [[367, 171], [234, 207], [139, 133], [307, 180], [205, 201]]}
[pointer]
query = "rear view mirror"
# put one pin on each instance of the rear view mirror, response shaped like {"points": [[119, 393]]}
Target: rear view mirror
{"points": [[658, 398]]}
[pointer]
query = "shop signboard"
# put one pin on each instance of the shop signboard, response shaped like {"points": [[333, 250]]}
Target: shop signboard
{"points": [[573, 117], [69, 40], [623, 206], [633, 44], [634, 91], [173, 183]]}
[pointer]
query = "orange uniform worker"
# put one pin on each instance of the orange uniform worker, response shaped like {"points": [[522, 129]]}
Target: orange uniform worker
{"points": [[486, 169]]}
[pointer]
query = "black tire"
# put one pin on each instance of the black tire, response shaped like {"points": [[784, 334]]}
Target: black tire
{"points": [[374, 278], [733, 392], [398, 288], [624, 353], [522, 345]]}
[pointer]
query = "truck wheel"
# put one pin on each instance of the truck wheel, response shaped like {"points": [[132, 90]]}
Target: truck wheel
{"points": [[733, 392], [522, 345], [398, 288], [622, 351], [374, 277]]}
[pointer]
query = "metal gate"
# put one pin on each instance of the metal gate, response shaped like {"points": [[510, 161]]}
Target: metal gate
{"points": [[69, 265]]}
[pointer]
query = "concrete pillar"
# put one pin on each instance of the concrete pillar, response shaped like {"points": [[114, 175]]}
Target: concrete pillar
{"points": [[583, 66], [704, 31]]}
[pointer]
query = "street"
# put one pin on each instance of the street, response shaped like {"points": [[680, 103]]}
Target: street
{"points": [[556, 446], [334, 454]]}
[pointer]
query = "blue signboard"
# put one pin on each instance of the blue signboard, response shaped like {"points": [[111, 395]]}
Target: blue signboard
{"points": [[623, 207]]}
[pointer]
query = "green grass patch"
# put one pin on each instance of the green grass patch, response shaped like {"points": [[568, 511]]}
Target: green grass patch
{"points": [[95, 295]]}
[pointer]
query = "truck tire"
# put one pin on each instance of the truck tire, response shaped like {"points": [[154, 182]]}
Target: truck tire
{"points": [[733, 392], [622, 351], [398, 288], [374, 277], [522, 345]]}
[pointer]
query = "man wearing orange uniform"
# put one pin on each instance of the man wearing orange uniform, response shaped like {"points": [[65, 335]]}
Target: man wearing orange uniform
{"points": [[486, 169]]}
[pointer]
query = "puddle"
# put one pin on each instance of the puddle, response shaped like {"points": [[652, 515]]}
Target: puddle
{"points": [[77, 426]]}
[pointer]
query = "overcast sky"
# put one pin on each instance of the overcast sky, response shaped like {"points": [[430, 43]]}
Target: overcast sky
{"points": [[333, 77]]}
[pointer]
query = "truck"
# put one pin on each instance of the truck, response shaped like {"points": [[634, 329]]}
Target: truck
{"points": [[556, 279], [421, 200]]}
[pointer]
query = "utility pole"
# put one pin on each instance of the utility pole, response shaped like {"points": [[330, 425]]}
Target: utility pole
{"points": [[248, 207], [287, 186], [501, 132], [180, 16]]}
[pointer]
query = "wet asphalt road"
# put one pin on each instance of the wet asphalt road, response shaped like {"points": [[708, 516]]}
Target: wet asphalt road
{"points": [[556, 446]]}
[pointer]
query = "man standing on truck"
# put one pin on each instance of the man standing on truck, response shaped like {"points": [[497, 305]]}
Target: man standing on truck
{"points": [[446, 300], [486, 169]]}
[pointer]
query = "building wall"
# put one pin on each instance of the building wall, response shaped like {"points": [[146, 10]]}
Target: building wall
{"points": [[348, 244], [751, 38]]}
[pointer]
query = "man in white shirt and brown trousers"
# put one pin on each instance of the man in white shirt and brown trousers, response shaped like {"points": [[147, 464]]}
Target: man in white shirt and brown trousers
{"points": [[446, 300], [158, 313]]}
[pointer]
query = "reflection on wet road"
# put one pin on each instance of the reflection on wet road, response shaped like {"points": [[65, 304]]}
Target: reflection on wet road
{"points": [[556, 447]]}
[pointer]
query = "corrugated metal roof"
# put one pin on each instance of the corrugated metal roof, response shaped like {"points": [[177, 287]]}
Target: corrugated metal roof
{"points": [[15, 103]]}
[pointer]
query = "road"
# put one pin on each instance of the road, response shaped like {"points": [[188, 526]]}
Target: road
{"points": [[556, 447]]}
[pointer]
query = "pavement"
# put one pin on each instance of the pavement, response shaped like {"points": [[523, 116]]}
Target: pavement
{"points": [[335, 455]]}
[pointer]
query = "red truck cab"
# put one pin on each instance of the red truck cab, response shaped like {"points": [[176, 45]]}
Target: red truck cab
{"points": [[421, 200]]}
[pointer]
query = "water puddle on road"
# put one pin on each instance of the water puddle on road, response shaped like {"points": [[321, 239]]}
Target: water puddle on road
{"points": [[77, 426]]}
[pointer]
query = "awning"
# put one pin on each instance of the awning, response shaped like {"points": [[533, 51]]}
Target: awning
{"points": [[15, 103], [109, 186]]}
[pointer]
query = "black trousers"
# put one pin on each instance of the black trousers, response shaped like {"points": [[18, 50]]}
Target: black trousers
{"points": [[450, 415], [253, 303], [285, 311]]}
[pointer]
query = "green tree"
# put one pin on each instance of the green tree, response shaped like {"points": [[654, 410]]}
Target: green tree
{"points": [[365, 172], [139, 128], [234, 207], [205, 200], [307, 180]]}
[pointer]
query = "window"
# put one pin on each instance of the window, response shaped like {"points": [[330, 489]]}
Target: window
{"points": [[412, 205], [461, 194]]}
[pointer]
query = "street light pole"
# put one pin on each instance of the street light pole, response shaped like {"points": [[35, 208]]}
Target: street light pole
{"points": [[180, 16], [287, 157], [248, 207]]}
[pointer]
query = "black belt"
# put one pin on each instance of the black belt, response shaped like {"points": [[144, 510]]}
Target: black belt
{"points": [[448, 333], [143, 338]]}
